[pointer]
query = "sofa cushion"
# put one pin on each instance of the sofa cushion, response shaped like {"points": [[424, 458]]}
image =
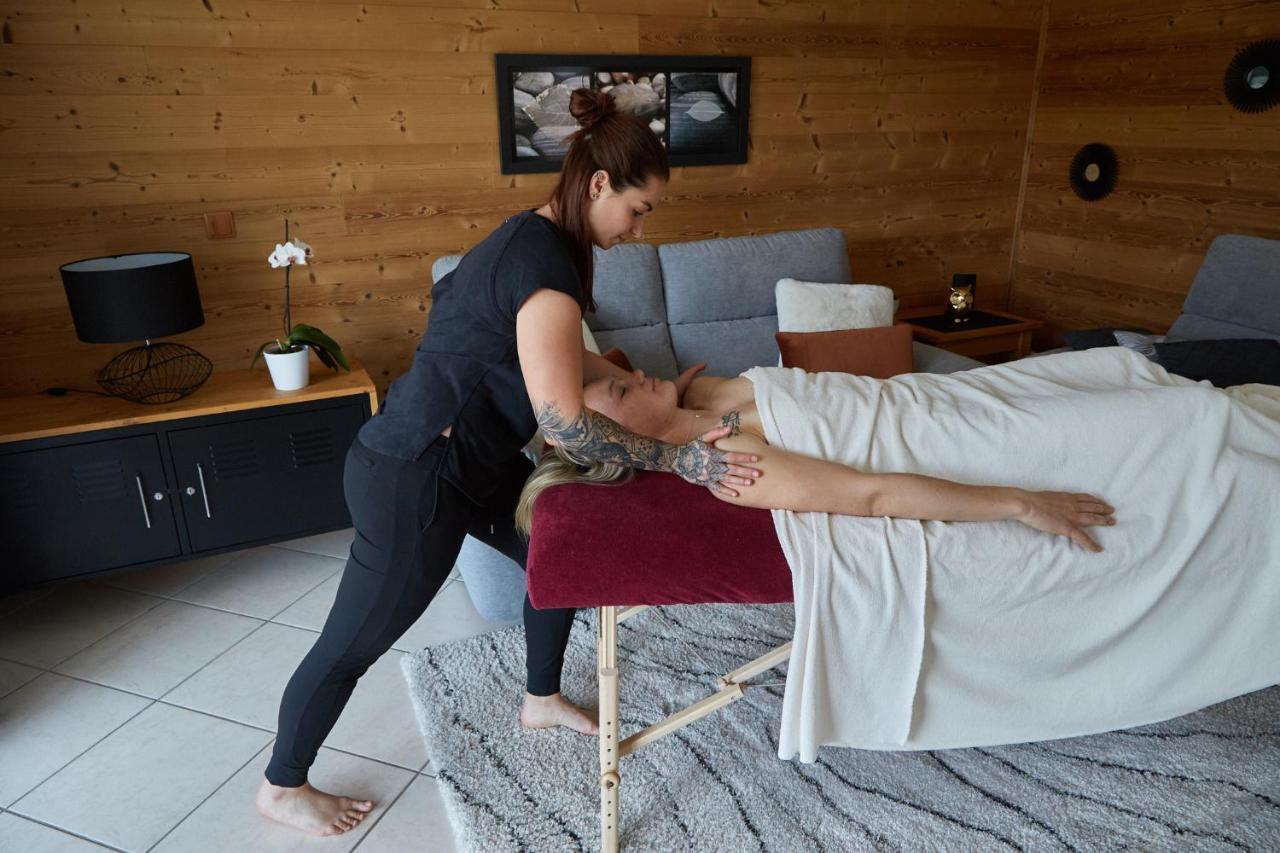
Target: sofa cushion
{"points": [[734, 278], [628, 288], [1224, 363], [648, 348], [728, 347], [880, 352], [806, 306], [1234, 294]]}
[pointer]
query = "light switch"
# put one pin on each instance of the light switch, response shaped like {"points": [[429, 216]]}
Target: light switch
{"points": [[219, 225]]}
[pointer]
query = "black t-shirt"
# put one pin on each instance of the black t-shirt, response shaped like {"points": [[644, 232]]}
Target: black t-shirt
{"points": [[466, 371]]}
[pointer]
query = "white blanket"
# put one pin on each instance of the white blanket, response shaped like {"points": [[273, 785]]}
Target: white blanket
{"points": [[927, 635]]}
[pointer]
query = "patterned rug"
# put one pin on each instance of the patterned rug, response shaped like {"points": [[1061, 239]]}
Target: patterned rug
{"points": [[1206, 781]]}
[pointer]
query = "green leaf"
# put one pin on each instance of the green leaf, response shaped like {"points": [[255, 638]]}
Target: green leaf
{"points": [[325, 358], [318, 340], [257, 355]]}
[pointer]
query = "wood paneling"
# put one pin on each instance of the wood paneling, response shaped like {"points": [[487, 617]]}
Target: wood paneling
{"points": [[1144, 76], [372, 127]]}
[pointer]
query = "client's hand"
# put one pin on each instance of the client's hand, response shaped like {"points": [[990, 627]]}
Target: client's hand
{"points": [[684, 380], [1067, 514], [702, 463]]}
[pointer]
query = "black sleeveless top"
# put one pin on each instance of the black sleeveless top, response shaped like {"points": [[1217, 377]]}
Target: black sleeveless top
{"points": [[466, 371]]}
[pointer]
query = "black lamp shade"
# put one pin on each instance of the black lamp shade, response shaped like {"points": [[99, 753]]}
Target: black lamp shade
{"points": [[132, 297]]}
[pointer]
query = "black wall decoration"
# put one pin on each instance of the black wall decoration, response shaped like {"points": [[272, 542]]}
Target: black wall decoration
{"points": [[1093, 171], [1252, 81], [697, 105]]}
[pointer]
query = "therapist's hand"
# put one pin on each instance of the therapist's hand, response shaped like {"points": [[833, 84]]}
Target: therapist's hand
{"points": [[684, 380], [702, 463]]}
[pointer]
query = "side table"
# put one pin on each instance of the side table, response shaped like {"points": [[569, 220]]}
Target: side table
{"points": [[1011, 339]]}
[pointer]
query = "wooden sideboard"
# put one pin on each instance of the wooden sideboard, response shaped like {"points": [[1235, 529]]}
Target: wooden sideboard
{"points": [[91, 484]]}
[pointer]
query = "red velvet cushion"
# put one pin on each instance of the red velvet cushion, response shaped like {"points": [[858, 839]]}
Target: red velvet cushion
{"points": [[881, 352], [654, 540]]}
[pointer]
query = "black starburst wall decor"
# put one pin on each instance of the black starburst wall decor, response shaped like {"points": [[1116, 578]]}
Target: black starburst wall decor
{"points": [[1093, 171], [1252, 81]]}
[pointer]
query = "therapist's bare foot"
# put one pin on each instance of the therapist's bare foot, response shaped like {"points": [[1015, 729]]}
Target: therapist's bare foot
{"points": [[547, 712], [311, 811]]}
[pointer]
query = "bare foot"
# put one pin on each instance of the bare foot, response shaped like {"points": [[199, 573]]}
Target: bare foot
{"points": [[547, 712], [314, 812]]}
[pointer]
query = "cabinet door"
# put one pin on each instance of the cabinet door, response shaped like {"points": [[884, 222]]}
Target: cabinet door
{"points": [[82, 508], [266, 478]]}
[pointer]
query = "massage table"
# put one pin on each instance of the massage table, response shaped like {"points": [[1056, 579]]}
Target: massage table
{"points": [[654, 540]]}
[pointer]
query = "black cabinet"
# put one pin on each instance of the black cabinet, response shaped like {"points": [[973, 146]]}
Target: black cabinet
{"points": [[129, 496], [251, 479], [86, 507]]}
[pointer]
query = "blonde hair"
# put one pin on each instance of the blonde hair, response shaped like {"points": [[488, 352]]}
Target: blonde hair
{"points": [[562, 466]]}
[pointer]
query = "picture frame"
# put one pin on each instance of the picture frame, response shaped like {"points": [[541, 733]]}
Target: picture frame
{"points": [[698, 105]]}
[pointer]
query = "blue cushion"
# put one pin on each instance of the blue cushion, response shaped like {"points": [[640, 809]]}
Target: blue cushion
{"points": [[627, 287], [1236, 290], [734, 278], [727, 346], [647, 347]]}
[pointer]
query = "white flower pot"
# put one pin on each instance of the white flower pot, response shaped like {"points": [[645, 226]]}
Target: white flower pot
{"points": [[289, 370]]}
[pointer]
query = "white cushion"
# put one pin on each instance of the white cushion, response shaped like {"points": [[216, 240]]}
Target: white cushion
{"points": [[589, 340], [806, 306]]}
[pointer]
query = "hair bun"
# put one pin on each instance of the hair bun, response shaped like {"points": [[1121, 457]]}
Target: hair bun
{"points": [[589, 106]]}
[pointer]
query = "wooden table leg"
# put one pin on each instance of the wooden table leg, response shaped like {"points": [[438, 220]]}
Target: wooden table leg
{"points": [[607, 648], [1024, 345]]}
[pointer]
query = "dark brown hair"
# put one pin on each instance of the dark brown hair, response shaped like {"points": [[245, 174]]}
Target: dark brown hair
{"points": [[620, 144]]}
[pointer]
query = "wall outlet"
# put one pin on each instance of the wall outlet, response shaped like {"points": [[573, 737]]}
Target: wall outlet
{"points": [[219, 225]]}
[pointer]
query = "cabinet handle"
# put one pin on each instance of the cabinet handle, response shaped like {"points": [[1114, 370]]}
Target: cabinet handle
{"points": [[142, 497], [203, 493]]}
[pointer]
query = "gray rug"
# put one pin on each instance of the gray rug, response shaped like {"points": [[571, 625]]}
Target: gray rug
{"points": [[1207, 781]]}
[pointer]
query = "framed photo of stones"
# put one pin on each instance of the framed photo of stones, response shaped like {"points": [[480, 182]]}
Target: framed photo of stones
{"points": [[697, 105]]}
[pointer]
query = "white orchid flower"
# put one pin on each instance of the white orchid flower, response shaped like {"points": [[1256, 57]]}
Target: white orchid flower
{"points": [[288, 254]]}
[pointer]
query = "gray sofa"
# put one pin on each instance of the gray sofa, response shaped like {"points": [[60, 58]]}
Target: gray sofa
{"points": [[672, 306]]}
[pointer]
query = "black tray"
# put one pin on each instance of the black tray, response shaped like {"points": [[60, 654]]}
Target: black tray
{"points": [[975, 320]]}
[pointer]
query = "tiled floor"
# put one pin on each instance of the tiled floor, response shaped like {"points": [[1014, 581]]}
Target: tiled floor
{"points": [[137, 712]]}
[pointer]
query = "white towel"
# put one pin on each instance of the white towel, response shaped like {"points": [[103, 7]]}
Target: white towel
{"points": [[925, 635]]}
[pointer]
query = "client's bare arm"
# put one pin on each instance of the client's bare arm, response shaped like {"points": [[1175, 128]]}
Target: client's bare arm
{"points": [[804, 484]]}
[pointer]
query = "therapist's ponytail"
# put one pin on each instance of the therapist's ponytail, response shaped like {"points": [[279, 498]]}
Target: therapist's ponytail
{"points": [[620, 144], [557, 467]]}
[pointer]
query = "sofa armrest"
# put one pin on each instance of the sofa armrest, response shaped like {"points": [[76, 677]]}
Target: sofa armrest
{"points": [[931, 359]]}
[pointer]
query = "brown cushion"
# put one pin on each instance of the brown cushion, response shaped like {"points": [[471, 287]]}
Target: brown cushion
{"points": [[619, 358], [880, 353]]}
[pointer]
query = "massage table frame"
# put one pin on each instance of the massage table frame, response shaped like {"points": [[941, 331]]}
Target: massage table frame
{"points": [[732, 687]]}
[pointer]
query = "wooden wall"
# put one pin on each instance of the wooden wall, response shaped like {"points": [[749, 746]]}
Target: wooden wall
{"points": [[1144, 76], [372, 127]]}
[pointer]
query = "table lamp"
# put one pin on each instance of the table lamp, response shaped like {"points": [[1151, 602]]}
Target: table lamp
{"points": [[137, 297]]}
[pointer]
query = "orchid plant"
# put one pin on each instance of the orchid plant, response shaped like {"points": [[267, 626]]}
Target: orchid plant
{"points": [[287, 255]]}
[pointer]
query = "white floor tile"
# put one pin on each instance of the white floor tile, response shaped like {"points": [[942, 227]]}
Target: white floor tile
{"points": [[156, 651], [246, 683], [451, 616], [227, 821], [418, 821], [135, 785], [312, 609], [260, 581], [49, 722], [333, 544], [14, 675], [169, 579], [19, 834], [58, 625]]}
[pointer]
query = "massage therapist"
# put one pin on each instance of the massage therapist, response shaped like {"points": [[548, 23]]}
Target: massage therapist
{"points": [[502, 355]]}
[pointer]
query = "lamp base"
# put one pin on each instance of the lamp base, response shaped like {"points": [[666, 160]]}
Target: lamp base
{"points": [[155, 373]]}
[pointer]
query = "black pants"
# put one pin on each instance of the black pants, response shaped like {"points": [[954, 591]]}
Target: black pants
{"points": [[409, 526]]}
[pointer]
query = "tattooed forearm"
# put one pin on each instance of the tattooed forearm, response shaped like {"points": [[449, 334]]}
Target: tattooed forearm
{"points": [[595, 436], [733, 420]]}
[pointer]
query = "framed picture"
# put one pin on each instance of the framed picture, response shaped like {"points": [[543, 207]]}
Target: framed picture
{"points": [[697, 105]]}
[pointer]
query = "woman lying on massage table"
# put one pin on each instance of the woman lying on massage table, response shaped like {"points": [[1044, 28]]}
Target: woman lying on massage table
{"points": [[912, 633], [649, 406]]}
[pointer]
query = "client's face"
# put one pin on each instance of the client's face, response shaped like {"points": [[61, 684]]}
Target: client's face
{"points": [[644, 405]]}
